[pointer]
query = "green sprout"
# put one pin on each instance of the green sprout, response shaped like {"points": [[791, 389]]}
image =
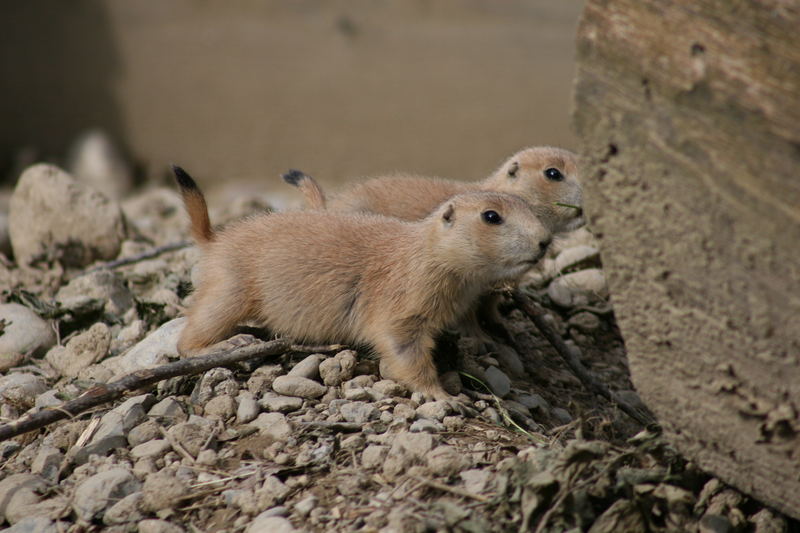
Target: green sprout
{"points": [[504, 412]]}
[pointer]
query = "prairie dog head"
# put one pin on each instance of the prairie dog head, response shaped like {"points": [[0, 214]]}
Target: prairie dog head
{"points": [[545, 177], [488, 235]]}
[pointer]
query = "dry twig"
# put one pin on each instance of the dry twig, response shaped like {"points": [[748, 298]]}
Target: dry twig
{"points": [[323, 348], [452, 490], [149, 254], [108, 392], [572, 357]]}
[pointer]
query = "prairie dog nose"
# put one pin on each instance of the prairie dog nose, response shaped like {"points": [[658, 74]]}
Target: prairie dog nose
{"points": [[544, 244]]}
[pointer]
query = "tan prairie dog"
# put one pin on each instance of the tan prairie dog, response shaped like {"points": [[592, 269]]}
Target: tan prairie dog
{"points": [[358, 278], [543, 176]]}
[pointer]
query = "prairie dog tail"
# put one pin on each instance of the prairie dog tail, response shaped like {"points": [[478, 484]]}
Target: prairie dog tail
{"points": [[195, 205], [312, 193]]}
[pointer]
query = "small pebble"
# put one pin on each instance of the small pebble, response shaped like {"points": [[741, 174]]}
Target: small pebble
{"points": [[436, 410], [247, 408], [306, 505], [373, 456], [447, 460], [270, 524], [358, 412], [273, 425], [425, 425], [298, 386], [498, 381], [280, 404], [561, 415], [220, 408], [308, 368], [154, 448]]}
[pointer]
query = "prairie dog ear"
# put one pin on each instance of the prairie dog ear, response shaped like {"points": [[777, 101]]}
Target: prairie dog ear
{"points": [[512, 170], [449, 215]]}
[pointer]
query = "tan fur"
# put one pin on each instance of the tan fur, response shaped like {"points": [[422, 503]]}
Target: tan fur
{"points": [[414, 197], [313, 194], [410, 197], [198, 214], [360, 278]]}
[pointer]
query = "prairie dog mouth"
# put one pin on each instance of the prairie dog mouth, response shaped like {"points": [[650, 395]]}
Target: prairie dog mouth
{"points": [[535, 259], [575, 223]]}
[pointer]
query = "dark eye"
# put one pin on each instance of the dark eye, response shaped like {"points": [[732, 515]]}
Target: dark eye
{"points": [[491, 217], [553, 174]]}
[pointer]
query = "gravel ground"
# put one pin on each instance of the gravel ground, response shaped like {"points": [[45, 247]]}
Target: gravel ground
{"points": [[312, 439]]}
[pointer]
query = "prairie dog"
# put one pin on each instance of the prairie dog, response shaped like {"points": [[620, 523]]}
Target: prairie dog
{"points": [[358, 278], [543, 176]]}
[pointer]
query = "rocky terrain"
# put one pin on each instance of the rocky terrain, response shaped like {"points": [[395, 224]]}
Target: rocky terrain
{"points": [[312, 439]]}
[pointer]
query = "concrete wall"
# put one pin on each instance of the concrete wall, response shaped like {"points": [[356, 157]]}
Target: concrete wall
{"points": [[243, 90], [690, 125]]}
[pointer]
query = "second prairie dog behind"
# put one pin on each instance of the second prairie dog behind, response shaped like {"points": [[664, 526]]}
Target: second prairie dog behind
{"points": [[543, 176]]}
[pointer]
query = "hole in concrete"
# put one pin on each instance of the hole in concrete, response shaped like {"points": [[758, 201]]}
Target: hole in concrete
{"points": [[698, 49]]}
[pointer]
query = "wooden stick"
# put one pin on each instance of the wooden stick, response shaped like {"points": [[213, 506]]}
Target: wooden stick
{"points": [[447, 488], [572, 357], [155, 252], [324, 348], [141, 378]]}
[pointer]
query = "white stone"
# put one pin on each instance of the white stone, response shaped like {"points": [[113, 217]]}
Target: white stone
{"points": [[247, 408], [270, 524], [436, 410], [308, 367], [447, 460], [578, 288], [101, 491], [81, 351], [273, 425], [21, 388], [154, 448], [94, 160], [24, 332], [154, 350], [298, 386], [574, 255], [278, 403]]}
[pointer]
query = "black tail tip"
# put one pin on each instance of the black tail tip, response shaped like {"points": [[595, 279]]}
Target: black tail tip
{"points": [[293, 177], [183, 178]]}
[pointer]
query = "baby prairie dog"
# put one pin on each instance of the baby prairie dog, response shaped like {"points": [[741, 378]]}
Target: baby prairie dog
{"points": [[543, 176], [358, 278]]}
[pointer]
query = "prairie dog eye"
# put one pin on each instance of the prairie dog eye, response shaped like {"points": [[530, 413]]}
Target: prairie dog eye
{"points": [[492, 217], [553, 174], [512, 170]]}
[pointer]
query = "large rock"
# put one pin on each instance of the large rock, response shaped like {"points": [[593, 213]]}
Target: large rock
{"points": [[23, 331], [690, 125], [101, 491], [54, 216]]}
